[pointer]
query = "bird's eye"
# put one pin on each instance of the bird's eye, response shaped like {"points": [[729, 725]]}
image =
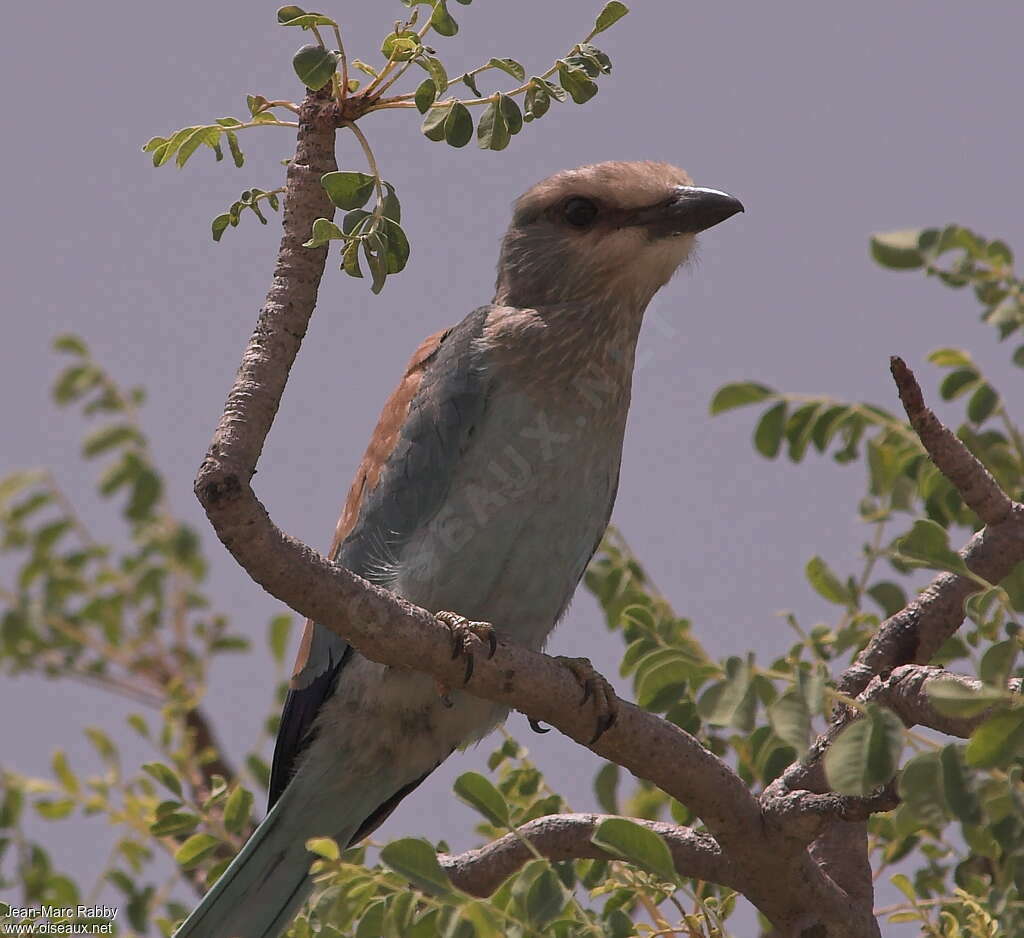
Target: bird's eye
{"points": [[580, 212]]}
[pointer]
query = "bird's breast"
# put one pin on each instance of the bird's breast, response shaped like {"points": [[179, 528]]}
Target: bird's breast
{"points": [[527, 505]]}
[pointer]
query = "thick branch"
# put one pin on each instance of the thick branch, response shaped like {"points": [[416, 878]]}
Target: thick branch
{"points": [[776, 874], [905, 692], [916, 632], [911, 636], [972, 480], [568, 837], [381, 625]]}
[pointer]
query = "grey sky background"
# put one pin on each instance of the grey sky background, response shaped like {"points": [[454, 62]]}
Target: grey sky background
{"points": [[829, 121]]}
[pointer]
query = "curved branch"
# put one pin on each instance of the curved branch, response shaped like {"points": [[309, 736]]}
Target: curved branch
{"points": [[915, 633], [905, 692], [568, 837], [777, 875]]}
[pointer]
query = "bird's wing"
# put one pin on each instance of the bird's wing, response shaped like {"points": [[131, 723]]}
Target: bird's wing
{"points": [[423, 431]]}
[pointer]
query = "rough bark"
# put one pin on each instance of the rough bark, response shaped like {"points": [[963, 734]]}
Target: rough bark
{"points": [[759, 847]]}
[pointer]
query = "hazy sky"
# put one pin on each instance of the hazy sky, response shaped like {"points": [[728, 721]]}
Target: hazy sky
{"points": [[829, 121]]}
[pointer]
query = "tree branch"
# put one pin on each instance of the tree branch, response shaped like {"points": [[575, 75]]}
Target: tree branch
{"points": [[913, 635], [905, 692], [774, 871], [916, 632], [568, 837]]}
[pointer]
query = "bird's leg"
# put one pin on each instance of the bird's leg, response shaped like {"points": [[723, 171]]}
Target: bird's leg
{"points": [[597, 686], [461, 630]]}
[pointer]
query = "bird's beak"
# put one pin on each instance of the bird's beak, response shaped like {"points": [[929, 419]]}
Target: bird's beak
{"points": [[691, 209]]}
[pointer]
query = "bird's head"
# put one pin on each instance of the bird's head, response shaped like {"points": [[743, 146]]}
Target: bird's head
{"points": [[610, 233]]}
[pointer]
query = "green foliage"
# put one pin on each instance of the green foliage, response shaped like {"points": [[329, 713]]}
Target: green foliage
{"points": [[250, 199], [974, 890], [130, 619], [375, 238]]}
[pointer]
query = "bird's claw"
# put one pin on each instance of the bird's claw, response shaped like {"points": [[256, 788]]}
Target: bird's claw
{"points": [[461, 629], [536, 727], [596, 686]]}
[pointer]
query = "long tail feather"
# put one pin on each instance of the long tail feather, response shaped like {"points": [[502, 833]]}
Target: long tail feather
{"points": [[259, 894]]}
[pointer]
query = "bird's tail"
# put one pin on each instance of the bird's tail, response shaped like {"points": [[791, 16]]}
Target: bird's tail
{"points": [[258, 895]]}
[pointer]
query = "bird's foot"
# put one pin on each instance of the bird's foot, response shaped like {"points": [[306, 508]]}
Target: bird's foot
{"points": [[462, 631], [597, 686]]}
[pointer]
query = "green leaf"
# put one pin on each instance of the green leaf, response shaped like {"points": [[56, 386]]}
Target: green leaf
{"points": [[163, 775], [738, 395], [376, 259], [177, 822], [510, 111], [238, 809], [897, 250], [606, 784], [396, 245], [826, 584], [768, 433], [400, 46], [288, 13], [492, 132], [441, 20], [998, 741], [350, 259], [982, 403], [433, 124], [537, 100], [201, 135], [277, 636], [323, 232], [102, 743], [667, 678], [220, 225], [108, 437], [371, 925], [348, 190], [731, 702], [62, 770], [637, 844], [576, 81], [791, 720], [612, 13], [314, 66], [960, 797], [866, 754], [391, 209], [458, 125], [72, 344], [510, 67], [307, 19], [325, 847], [474, 789], [889, 596], [425, 95], [950, 358], [237, 157], [545, 898], [956, 382], [921, 791], [435, 69], [55, 809], [952, 698], [469, 80], [997, 662], [927, 545], [191, 853], [416, 860]]}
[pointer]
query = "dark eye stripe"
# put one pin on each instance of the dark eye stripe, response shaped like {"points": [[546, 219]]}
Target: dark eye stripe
{"points": [[579, 212]]}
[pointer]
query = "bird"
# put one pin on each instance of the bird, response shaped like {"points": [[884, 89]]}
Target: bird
{"points": [[485, 490]]}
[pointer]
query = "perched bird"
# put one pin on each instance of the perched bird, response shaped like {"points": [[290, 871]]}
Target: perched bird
{"points": [[484, 492]]}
